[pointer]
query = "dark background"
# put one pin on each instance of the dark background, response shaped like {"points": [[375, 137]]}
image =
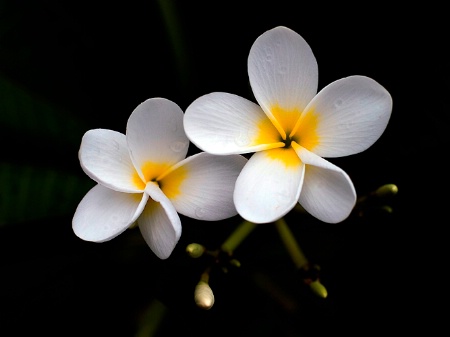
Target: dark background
{"points": [[70, 66]]}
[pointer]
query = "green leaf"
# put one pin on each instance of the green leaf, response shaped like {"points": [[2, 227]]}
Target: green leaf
{"points": [[39, 183], [31, 193]]}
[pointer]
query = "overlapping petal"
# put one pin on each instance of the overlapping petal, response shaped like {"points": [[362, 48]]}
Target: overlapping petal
{"points": [[104, 157], [344, 118], [221, 123], [104, 213], [327, 193], [202, 186], [155, 135], [269, 185], [351, 113], [159, 223], [283, 74]]}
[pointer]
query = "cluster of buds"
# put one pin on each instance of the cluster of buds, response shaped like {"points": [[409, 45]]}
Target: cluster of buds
{"points": [[223, 258]]}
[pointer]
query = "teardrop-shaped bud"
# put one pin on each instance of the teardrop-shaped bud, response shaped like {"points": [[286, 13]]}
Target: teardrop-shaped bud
{"points": [[386, 191], [203, 295], [318, 289]]}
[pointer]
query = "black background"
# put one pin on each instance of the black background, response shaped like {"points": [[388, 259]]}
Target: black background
{"points": [[67, 67]]}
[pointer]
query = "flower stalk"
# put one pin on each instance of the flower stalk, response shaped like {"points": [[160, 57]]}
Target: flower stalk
{"points": [[238, 235], [291, 244], [300, 261]]}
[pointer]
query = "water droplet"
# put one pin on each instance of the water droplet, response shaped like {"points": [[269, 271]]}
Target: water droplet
{"points": [[200, 212], [282, 198], [269, 54], [338, 103], [178, 146], [242, 140]]}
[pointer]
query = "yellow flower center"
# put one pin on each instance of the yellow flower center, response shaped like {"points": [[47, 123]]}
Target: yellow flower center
{"points": [[169, 181], [305, 130], [286, 155], [299, 127], [286, 118]]}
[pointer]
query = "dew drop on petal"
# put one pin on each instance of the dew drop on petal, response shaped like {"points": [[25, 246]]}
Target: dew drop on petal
{"points": [[242, 140], [342, 126], [345, 126], [282, 198], [269, 54], [200, 212], [178, 146], [338, 103]]}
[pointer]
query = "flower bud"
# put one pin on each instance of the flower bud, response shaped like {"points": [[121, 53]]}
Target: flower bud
{"points": [[203, 295], [318, 289], [387, 190], [195, 250]]}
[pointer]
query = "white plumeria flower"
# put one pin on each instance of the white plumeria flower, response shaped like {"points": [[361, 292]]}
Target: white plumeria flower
{"points": [[143, 176], [290, 131]]}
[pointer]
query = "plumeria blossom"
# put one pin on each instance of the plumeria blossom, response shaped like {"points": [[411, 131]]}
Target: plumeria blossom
{"points": [[143, 177], [290, 131]]}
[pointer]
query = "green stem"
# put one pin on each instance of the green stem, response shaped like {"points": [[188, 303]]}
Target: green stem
{"points": [[297, 256], [239, 234], [205, 276], [291, 244]]}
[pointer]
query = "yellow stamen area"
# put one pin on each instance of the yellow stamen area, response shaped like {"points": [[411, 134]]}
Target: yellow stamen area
{"points": [[151, 172], [286, 118], [137, 181], [267, 133], [287, 156], [171, 183], [305, 131]]}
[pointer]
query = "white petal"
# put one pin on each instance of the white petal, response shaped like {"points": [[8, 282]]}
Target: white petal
{"points": [[328, 192], [155, 135], [352, 113], [104, 213], [269, 185], [202, 186], [104, 157], [159, 223], [283, 72], [222, 123]]}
